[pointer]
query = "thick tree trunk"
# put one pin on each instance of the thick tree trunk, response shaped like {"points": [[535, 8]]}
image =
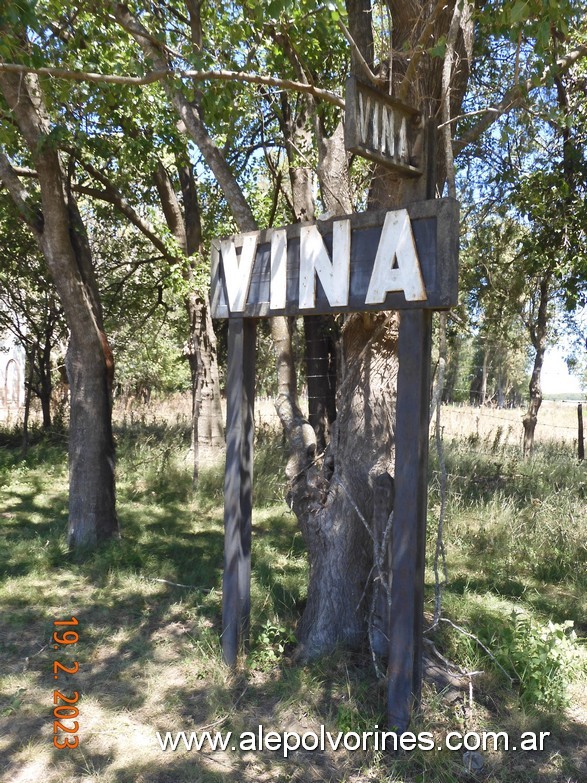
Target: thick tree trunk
{"points": [[61, 235], [334, 502], [92, 519]]}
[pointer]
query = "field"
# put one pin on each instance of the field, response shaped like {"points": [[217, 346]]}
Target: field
{"points": [[149, 615]]}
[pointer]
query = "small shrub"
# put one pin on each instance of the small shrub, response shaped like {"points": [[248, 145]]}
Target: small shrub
{"points": [[544, 658], [270, 645]]}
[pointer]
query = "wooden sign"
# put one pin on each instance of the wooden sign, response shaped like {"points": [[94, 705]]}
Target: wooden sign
{"points": [[383, 129], [396, 260]]}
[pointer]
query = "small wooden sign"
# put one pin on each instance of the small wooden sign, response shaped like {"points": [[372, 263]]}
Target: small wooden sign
{"points": [[383, 129], [402, 259]]}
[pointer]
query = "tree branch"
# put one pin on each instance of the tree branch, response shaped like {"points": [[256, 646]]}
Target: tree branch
{"points": [[160, 74], [20, 195], [359, 59], [72, 74], [447, 70], [112, 195], [194, 125], [420, 49], [515, 94]]}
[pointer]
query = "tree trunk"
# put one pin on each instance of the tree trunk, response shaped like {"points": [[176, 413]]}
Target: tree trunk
{"points": [[334, 502], [207, 420], [91, 449], [531, 418], [538, 335], [61, 235], [45, 388], [483, 401], [207, 426]]}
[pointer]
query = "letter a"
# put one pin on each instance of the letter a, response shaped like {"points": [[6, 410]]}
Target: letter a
{"points": [[238, 275], [396, 266]]}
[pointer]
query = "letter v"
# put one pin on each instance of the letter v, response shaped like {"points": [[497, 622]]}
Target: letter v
{"points": [[237, 276]]}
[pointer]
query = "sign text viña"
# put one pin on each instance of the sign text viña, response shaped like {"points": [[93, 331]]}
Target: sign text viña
{"points": [[399, 259]]}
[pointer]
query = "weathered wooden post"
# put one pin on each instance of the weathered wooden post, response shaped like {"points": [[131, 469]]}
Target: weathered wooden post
{"points": [[580, 439], [408, 544], [238, 486]]}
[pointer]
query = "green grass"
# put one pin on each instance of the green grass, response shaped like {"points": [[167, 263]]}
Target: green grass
{"points": [[149, 652]]}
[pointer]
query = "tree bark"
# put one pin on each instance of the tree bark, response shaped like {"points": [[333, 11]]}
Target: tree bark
{"points": [[334, 501], [61, 235]]}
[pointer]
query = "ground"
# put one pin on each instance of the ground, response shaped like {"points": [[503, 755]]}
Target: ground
{"points": [[148, 609]]}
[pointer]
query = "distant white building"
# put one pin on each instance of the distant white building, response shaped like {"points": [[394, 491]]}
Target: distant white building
{"points": [[12, 376]]}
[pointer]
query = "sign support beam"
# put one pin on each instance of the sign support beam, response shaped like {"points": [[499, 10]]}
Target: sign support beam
{"points": [[408, 541], [409, 522], [238, 487]]}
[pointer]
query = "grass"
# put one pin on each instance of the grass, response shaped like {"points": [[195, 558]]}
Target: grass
{"points": [[148, 650]]}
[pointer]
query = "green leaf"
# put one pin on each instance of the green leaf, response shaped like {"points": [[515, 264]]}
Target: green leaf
{"points": [[519, 11], [439, 49]]}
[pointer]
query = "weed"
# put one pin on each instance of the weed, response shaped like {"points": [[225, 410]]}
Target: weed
{"points": [[543, 658], [270, 645]]}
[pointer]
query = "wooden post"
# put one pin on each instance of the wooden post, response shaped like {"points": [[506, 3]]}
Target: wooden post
{"points": [[238, 486], [408, 542], [409, 523], [580, 440]]}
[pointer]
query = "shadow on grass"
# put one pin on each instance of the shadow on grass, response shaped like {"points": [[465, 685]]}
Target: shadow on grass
{"points": [[148, 651]]}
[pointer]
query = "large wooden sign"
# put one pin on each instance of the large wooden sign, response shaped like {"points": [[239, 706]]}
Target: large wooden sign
{"points": [[383, 129], [402, 259]]}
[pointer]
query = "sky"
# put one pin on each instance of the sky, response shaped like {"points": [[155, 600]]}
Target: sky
{"points": [[555, 374]]}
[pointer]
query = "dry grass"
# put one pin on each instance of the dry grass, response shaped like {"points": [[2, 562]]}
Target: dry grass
{"points": [[557, 423]]}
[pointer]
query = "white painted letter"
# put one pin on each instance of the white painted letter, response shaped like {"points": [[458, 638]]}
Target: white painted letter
{"points": [[238, 275], [278, 289], [334, 275], [364, 116], [396, 266], [387, 131], [375, 141], [403, 152]]}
